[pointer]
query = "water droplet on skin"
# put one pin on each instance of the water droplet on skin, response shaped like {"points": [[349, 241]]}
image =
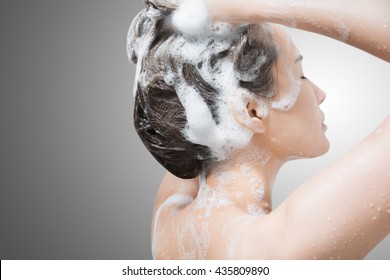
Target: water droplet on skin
{"points": [[374, 218], [388, 211], [372, 205], [329, 219], [379, 209], [385, 26], [344, 223], [355, 234]]}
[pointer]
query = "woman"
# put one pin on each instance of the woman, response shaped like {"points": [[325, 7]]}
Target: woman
{"points": [[235, 114]]}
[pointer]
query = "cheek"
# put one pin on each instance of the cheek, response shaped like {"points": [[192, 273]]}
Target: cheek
{"points": [[306, 109], [298, 132]]}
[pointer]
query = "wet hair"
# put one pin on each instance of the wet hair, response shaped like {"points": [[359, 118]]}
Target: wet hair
{"points": [[160, 117]]}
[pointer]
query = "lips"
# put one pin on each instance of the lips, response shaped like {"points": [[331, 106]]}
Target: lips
{"points": [[324, 126], [323, 120]]}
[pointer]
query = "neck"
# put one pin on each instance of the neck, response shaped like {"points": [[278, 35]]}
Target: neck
{"points": [[245, 181]]}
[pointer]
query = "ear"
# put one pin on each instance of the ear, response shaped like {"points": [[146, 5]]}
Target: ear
{"points": [[250, 116]]}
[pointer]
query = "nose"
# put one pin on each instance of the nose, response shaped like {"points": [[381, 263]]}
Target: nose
{"points": [[320, 94]]}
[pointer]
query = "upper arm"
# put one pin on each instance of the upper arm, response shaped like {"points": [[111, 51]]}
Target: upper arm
{"points": [[344, 211]]}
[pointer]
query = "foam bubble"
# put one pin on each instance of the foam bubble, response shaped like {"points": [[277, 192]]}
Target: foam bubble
{"points": [[255, 210], [209, 198], [226, 135], [257, 188], [192, 18], [245, 168]]}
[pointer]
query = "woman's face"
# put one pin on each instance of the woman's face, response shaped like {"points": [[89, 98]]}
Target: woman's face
{"points": [[294, 130]]}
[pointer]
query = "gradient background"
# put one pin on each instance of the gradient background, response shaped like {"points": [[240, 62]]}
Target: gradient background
{"points": [[76, 182]]}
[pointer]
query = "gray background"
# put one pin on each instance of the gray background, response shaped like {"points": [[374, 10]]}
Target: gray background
{"points": [[76, 182]]}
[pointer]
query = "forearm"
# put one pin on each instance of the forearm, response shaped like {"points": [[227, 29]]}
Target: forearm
{"points": [[360, 23], [363, 24]]}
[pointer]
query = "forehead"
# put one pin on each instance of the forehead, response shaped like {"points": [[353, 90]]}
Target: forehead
{"points": [[287, 48]]}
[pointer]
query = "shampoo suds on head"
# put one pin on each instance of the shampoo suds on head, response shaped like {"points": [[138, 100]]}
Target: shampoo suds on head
{"points": [[192, 18]]}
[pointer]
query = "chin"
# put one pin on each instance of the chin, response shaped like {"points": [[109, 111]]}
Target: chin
{"points": [[312, 152], [322, 149]]}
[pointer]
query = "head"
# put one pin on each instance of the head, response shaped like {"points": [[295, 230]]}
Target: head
{"points": [[199, 98], [293, 124]]}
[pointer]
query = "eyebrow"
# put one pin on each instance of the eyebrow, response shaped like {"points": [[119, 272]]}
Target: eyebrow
{"points": [[299, 58]]}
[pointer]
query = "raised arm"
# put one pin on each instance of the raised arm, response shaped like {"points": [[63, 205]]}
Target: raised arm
{"points": [[360, 23], [342, 213]]}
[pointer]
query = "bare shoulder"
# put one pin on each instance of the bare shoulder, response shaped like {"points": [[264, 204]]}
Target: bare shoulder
{"points": [[173, 192], [173, 196]]}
